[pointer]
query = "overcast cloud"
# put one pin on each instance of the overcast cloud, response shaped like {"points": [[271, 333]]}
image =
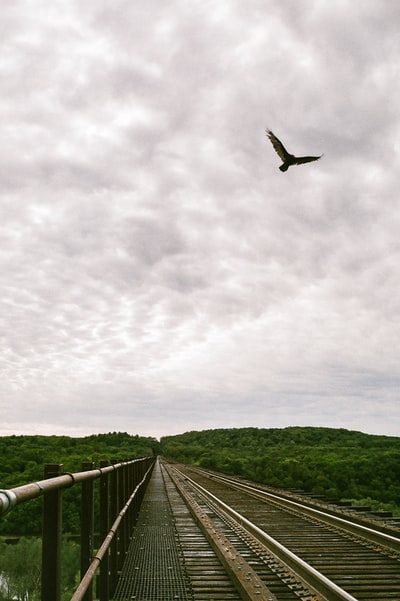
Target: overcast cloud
{"points": [[158, 272]]}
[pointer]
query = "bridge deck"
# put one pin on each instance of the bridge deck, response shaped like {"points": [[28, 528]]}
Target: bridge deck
{"points": [[169, 557], [154, 568]]}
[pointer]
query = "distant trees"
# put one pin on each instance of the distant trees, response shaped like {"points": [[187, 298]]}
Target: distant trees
{"points": [[23, 459], [337, 463]]}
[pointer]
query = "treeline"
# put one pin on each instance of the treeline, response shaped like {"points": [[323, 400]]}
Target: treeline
{"points": [[23, 459], [337, 463]]}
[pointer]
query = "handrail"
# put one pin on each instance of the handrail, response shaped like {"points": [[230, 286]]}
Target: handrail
{"points": [[14, 496], [121, 490], [88, 577]]}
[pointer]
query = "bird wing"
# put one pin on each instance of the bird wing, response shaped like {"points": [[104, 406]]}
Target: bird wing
{"points": [[278, 146], [301, 160]]}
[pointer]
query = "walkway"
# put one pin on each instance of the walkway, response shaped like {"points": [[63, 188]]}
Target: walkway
{"points": [[154, 567]]}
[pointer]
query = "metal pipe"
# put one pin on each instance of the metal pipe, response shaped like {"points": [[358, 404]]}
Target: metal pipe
{"points": [[20, 494], [8, 500]]}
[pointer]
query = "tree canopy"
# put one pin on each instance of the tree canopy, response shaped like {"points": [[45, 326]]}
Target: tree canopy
{"points": [[23, 459], [337, 463]]}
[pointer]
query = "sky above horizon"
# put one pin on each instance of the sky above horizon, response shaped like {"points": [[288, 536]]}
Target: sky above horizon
{"points": [[159, 274]]}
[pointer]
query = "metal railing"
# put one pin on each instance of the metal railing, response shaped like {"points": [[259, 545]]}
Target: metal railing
{"points": [[120, 491]]}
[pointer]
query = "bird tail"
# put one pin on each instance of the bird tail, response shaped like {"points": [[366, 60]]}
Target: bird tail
{"points": [[284, 167]]}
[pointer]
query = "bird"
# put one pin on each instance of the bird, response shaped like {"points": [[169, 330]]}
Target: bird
{"points": [[287, 158]]}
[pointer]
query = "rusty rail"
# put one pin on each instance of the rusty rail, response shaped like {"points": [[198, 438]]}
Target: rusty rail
{"points": [[121, 488], [316, 582]]}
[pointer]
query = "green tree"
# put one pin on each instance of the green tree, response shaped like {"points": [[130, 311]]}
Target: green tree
{"points": [[20, 568], [70, 570]]}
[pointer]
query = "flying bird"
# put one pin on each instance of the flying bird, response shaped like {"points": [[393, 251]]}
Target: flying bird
{"points": [[287, 158]]}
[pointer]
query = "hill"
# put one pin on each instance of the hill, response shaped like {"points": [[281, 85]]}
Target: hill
{"points": [[337, 463]]}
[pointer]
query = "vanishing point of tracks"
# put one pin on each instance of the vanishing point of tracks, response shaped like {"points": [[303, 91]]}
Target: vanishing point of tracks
{"points": [[274, 548]]}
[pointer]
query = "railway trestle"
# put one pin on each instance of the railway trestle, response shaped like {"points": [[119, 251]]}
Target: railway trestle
{"points": [[168, 532]]}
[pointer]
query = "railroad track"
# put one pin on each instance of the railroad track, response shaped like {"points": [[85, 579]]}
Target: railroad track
{"points": [[274, 548]]}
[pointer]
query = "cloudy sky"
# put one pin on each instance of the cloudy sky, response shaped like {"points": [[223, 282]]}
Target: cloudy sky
{"points": [[158, 272]]}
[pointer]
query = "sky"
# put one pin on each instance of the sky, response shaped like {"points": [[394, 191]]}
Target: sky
{"points": [[158, 273]]}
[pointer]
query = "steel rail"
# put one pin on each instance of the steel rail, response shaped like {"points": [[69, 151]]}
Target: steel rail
{"points": [[249, 585], [317, 581], [366, 532]]}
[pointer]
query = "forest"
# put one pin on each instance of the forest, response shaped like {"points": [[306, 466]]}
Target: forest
{"points": [[23, 459], [336, 463]]}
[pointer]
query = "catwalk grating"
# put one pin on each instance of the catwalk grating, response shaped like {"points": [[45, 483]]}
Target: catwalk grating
{"points": [[154, 568]]}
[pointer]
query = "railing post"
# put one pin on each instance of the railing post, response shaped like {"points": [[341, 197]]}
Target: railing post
{"points": [[51, 545], [104, 583], [114, 510], [132, 507], [87, 516], [121, 503], [125, 521], [139, 472]]}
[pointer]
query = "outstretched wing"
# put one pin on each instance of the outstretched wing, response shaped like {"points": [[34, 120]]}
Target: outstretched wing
{"points": [[278, 146], [301, 160]]}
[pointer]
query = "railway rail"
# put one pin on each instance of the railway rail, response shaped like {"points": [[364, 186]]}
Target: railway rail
{"points": [[275, 548]]}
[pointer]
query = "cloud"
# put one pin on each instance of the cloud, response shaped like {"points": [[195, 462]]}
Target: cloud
{"points": [[158, 272]]}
